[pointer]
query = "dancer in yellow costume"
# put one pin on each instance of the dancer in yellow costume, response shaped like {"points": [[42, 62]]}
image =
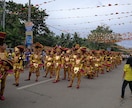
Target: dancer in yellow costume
{"points": [[113, 59], [97, 62], [6, 66], [77, 67], [73, 56], [87, 67], [108, 61], [35, 61], [67, 64], [102, 68], [84, 57], [57, 63], [49, 63], [90, 65], [118, 58], [18, 63]]}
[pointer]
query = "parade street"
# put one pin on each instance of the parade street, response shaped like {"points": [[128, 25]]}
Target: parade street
{"points": [[101, 92]]}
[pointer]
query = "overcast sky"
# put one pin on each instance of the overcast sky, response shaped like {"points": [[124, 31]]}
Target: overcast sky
{"points": [[82, 16]]}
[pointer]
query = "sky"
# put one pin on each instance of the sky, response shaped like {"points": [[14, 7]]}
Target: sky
{"points": [[82, 16]]}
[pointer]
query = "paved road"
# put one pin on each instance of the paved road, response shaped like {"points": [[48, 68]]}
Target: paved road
{"points": [[101, 92]]}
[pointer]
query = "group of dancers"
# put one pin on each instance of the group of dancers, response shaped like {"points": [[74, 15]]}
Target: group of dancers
{"points": [[75, 62], [79, 61]]}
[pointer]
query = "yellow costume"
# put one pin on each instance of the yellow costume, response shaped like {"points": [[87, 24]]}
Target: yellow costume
{"points": [[5, 66], [67, 64], [49, 63], [90, 65], [76, 68], [108, 62], [97, 61], [18, 63], [36, 61], [57, 64]]}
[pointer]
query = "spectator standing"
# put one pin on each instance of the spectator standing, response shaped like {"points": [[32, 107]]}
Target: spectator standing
{"points": [[27, 54], [127, 76]]}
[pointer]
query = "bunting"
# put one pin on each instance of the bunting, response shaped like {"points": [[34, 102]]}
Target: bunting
{"points": [[102, 20], [103, 38], [116, 13], [65, 31], [77, 17], [109, 38], [37, 5], [80, 8]]}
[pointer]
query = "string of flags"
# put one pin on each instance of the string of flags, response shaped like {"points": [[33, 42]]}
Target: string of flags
{"points": [[116, 13], [86, 28], [45, 3], [65, 31], [26, 8], [125, 36], [108, 5], [127, 16], [109, 38], [79, 8], [102, 20], [121, 37]]}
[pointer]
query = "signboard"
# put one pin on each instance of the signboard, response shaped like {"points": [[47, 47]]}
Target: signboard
{"points": [[29, 34], [29, 38], [28, 26]]}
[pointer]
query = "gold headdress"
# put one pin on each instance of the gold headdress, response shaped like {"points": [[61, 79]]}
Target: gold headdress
{"points": [[83, 49], [19, 48], [68, 51], [2, 37], [58, 49], [79, 51], [38, 47], [77, 46], [8, 63]]}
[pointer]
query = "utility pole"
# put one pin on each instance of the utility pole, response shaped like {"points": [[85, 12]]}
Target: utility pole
{"points": [[2, 13], [29, 11], [29, 26], [4, 9]]}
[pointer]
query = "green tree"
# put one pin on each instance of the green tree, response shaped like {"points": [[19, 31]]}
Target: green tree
{"points": [[17, 15], [15, 30], [101, 37]]}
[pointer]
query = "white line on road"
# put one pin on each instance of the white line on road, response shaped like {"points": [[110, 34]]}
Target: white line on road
{"points": [[34, 84]]}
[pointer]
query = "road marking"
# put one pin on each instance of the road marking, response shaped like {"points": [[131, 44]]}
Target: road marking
{"points": [[34, 84]]}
